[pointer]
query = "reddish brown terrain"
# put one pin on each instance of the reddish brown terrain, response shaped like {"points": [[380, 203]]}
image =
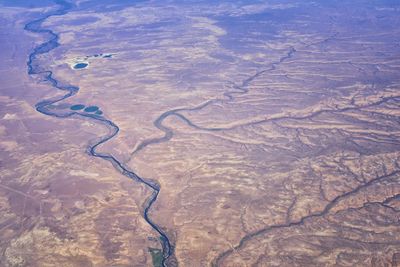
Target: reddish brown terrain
{"points": [[226, 134]]}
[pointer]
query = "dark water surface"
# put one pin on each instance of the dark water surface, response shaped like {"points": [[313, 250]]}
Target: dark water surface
{"points": [[91, 109], [80, 66], [77, 107]]}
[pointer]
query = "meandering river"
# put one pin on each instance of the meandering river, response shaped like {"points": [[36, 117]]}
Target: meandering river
{"points": [[34, 68]]}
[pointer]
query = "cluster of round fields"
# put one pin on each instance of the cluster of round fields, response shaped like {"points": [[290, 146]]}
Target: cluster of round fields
{"points": [[88, 109]]}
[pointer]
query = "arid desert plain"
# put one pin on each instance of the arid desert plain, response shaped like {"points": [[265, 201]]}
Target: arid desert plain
{"points": [[199, 133]]}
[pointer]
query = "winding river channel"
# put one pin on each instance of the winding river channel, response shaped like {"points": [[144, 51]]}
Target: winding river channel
{"points": [[44, 107]]}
